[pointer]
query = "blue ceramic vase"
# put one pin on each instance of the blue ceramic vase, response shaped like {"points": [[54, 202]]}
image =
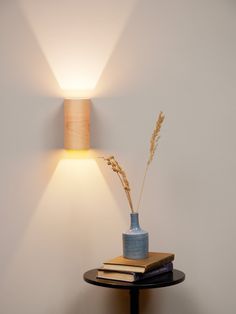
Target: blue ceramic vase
{"points": [[135, 240]]}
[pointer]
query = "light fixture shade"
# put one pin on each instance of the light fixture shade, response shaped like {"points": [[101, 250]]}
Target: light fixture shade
{"points": [[77, 123]]}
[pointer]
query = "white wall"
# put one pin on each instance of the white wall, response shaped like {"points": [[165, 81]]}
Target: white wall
{"points": [[60, 217]]}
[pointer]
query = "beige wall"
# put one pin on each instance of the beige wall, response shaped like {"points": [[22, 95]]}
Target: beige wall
{"points": [[60, 217]]}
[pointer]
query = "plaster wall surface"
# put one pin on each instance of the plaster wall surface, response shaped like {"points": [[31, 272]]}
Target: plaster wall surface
{"points": [[60, 216]]}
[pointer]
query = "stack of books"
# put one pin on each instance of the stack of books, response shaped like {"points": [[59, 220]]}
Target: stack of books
{"points": [[129, 270]]}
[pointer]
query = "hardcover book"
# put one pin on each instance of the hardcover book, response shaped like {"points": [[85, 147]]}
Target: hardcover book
{"points": [[153, 261], [131, 276]]}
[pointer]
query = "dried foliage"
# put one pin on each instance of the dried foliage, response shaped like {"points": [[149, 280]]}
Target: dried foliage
{"points": [[122, 176], [155, 137], [113, 163], [153, 146]]}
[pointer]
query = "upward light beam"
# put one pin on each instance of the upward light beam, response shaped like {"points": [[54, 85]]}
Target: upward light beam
{"points": [[69, 226], [77, 38]]}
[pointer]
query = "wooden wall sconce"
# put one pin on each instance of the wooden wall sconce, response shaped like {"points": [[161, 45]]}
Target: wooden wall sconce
{"points": [[77, 124]]}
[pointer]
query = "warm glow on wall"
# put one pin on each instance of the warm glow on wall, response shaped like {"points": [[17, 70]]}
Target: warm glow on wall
{"points": [[60, 224], [77, 38], [78, 154], [77, 93]]}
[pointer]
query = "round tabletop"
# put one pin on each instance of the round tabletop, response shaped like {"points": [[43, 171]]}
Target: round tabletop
{"points": [[168, 279]]}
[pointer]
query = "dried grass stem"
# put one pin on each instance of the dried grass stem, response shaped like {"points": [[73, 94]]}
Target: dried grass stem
{"points": [[122, 176], [153, 146], [113, 163]]}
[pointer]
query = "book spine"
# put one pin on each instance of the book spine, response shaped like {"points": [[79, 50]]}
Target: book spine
{"points": [[159, 264], [164, 269]]}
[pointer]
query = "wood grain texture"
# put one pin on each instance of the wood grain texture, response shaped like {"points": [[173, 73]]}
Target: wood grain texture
{"points": [[77, 123]]}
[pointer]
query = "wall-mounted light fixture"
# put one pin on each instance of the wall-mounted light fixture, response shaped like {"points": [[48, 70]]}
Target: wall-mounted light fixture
{"points": [[77, 124]]}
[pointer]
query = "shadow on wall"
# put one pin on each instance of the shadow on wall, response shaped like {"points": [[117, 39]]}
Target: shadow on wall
{"points": [[176, 299], [103, 299], [30, 126]]}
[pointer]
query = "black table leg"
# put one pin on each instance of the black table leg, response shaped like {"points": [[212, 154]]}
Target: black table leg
{"points": [[134, 301]]}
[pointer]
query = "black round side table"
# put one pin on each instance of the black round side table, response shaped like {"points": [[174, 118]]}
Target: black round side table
{"points": [[160, 281]]}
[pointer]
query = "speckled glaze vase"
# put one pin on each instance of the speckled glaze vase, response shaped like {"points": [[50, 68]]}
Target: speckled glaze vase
{"points": [[135, 240]]}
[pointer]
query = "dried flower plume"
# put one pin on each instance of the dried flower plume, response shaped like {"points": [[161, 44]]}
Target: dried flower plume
{"points": [[122, 176], [153, 146], [155, 137], [113, 163]]}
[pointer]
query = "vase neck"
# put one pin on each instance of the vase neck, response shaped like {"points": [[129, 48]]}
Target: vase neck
{"points": [[134, 222]]}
